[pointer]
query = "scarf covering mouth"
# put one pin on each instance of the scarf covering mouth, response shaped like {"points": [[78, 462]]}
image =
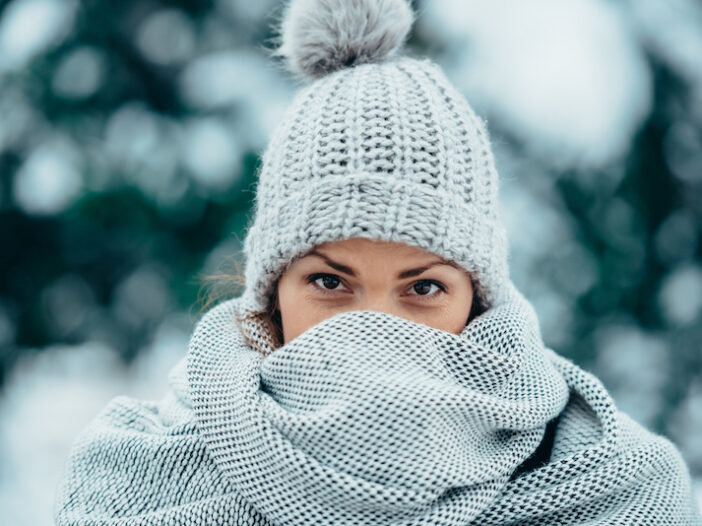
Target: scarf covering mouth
{"points": [[367, 418]]}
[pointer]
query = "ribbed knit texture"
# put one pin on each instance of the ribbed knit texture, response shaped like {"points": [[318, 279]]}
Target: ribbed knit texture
{"points": [[389, 152], [371, 419]]}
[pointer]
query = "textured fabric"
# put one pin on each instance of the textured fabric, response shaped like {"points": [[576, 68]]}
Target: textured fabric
{"points": [[322, 36], [388, 151], [371, 419]]}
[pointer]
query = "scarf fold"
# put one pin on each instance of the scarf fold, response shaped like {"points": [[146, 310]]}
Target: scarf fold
{"points": [[371, 419]]}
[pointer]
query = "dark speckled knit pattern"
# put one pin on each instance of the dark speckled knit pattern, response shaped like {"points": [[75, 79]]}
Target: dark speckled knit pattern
{"points": [[371, 419]]}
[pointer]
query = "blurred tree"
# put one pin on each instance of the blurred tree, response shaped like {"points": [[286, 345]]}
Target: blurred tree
{"points": [[132, 133]]}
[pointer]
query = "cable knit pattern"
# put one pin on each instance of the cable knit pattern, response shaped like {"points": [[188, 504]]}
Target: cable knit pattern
{"points": [[388, 152], [371, 419]]}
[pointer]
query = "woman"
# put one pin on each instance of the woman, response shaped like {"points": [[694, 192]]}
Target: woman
{"points": [[380, 367]]}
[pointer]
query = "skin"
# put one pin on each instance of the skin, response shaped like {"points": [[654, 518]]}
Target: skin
{"points": [[315, 286]]}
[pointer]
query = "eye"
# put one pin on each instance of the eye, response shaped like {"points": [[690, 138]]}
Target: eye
{"points": [[325, 282], [423, 288]]}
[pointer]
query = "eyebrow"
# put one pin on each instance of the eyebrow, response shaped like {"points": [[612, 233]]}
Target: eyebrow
{"points": [[404, 274]]}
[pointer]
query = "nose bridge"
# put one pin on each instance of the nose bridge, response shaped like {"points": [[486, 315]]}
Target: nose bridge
{"points": [[378, 300]]}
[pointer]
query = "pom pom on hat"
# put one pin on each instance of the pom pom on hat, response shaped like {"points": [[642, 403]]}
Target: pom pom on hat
{"points": [[319, 37]]}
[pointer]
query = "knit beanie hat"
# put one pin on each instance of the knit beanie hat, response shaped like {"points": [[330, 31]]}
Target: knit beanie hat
{"points": [[377, 145]]}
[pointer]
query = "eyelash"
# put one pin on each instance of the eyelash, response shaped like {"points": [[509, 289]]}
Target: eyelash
{"points": [[312, 278]]}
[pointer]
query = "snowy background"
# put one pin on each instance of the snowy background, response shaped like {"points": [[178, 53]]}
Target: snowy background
{"points": [[130, 136]]}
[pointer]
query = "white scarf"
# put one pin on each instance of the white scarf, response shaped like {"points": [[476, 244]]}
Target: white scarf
{"points": [[371, 419]]}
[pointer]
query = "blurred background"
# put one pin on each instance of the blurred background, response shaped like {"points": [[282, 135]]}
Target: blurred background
{"points": [[130, 137]]}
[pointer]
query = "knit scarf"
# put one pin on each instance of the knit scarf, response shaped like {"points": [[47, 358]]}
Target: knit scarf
{"points": [[371, 419]]}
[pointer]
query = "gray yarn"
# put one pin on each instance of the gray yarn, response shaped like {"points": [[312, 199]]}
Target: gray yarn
{"points": [[321, 36], [390, 152], [378, 146], [371, 419]]}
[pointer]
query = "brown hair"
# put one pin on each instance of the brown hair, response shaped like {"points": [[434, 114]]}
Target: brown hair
{"points": [[270, 317], [230, 283]]}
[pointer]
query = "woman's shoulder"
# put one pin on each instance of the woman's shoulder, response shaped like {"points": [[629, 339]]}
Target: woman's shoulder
{"points": [[137, 457], [600, 452], [592, 420]]}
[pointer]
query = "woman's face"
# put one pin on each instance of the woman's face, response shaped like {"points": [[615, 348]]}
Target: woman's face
{"points": [[362, 274]]}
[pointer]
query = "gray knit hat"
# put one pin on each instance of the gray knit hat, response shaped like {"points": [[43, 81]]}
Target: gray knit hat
{"points": [[377, 145]]}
